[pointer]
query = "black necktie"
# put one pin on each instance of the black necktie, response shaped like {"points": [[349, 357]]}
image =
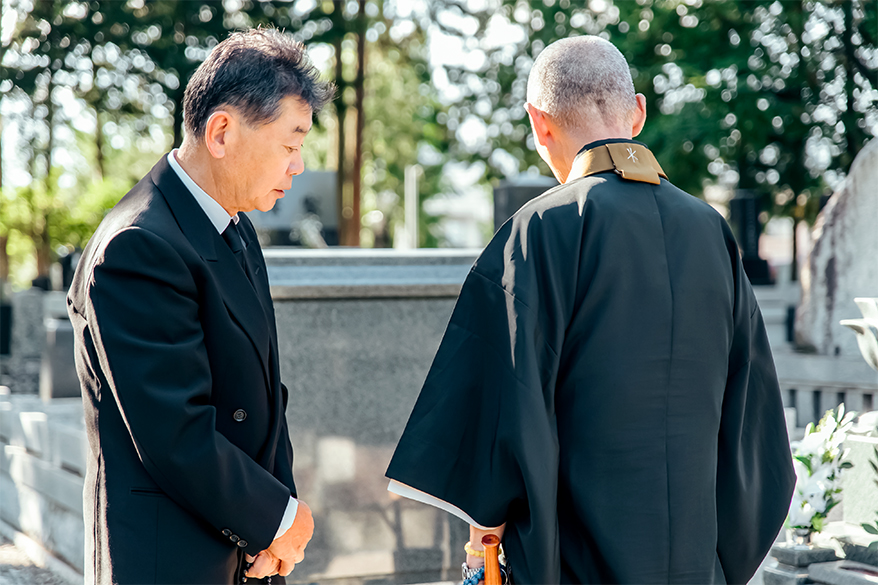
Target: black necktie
{"points": [[236, 245]]}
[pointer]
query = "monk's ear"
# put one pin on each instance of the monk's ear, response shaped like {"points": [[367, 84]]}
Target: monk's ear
{"points": [[218, 132], [539, 122], [639, 115]]}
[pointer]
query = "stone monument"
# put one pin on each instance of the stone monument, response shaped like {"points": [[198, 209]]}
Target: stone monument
{"points": [[842, 265], [28, 339]]}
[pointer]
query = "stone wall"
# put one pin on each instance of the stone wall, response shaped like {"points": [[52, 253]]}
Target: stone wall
{"points": [[357, 332], [42, 463], [842, 265]]}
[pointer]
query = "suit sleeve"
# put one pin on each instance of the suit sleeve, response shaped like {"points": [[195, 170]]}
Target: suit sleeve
{"points": [[147, 328], [283, 462], [755, 477]]}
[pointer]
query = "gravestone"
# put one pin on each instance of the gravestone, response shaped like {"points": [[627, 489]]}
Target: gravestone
{"points": [[511, 194], [745, 209], [842, 264], [307, 215], [28, 337]]}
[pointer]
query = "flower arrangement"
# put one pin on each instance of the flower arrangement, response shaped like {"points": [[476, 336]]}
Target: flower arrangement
{"points": [[819, 463]]}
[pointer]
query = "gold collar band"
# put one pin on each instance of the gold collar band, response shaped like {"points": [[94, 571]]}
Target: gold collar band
{"points": [[632, 161]]}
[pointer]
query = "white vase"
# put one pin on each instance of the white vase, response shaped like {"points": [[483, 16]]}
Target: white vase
{"points": [[802, 538]]}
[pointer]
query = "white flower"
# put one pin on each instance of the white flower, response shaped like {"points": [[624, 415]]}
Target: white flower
{"points": [[801, 514], [813, 445], [802, 474], [817, 462], [814, 494]]}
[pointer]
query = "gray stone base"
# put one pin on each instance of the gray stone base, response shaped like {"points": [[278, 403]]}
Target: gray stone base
{"points": [[801, 557], [844, 573], [785, 575]]}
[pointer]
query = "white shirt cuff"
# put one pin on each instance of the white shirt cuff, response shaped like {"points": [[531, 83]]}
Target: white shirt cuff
{"points": [[289, 517], [411, 493]]}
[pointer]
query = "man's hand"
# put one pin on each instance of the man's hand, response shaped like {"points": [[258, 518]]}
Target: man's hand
{"points": [[475, 541], [288, 549]]}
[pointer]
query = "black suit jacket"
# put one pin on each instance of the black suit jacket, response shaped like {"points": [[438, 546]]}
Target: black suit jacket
{"points": [[189, 462]]}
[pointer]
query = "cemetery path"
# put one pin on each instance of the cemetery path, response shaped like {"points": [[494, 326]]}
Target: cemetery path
{"points": [[17, 569]]}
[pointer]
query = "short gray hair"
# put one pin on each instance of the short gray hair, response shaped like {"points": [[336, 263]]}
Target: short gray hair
{"points": [[252, 71], [578, 78]]}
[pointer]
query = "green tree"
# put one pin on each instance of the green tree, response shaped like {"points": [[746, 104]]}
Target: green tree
{"points": [[766, 95]]}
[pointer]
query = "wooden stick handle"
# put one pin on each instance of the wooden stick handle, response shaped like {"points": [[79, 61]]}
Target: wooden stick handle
{"points": [[491, 542]]}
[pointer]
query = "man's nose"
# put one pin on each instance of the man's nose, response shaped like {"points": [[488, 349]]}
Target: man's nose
{"points": [[296, 166]]}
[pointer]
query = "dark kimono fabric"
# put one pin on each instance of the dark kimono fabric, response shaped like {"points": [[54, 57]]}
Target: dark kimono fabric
{"points": [[606, 387]]}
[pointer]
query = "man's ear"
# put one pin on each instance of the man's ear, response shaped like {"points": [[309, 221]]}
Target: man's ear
{"points": [[217, 132], [539, 123], [639, 115]]}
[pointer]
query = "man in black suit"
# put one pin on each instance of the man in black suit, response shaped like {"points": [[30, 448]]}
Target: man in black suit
{"points": [[189, 464]]}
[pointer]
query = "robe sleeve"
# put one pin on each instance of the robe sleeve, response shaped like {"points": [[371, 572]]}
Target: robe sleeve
{"points": [[755, 477], [482, 434]]}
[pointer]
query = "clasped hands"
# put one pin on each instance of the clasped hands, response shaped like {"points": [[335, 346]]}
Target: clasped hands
{"points": [[285, 551]]}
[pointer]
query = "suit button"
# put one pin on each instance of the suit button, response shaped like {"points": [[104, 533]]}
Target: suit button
{"points": [[243, 543], [227, 532], [234, 538], [239, 415]]}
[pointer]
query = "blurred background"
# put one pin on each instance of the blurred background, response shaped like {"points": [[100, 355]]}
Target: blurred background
{"points": [[767, 98]]}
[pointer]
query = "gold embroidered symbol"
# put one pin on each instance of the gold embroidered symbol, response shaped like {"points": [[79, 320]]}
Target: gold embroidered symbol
{"points": [[632, 154]]}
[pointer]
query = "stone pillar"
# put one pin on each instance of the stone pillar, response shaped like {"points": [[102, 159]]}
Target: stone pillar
{"points": [[28, 338]]}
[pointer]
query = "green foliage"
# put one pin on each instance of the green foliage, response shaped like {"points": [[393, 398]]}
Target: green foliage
{"points": [[760, 94], [757, 94]]}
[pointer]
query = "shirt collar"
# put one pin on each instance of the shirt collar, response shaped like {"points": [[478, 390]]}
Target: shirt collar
{"points": [[218, 216]]}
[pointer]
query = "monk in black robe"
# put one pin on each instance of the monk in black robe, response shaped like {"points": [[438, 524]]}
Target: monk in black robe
{"points": [[604, 396]]}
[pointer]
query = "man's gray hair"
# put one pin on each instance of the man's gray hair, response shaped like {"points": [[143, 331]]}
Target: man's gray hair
{"points": [[577, 79]]}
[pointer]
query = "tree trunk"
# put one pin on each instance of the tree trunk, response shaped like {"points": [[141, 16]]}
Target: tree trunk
{"points": [[99, 144], [359, 87], [178, 118], [340, 114], [4, 262], [42, 242], [855, 137]]}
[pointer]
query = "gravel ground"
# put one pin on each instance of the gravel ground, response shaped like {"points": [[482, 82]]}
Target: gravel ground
{"points": [[17, 569]]}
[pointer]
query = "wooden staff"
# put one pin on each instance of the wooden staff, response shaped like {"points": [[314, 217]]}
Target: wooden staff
{"points": [[491, 542]]}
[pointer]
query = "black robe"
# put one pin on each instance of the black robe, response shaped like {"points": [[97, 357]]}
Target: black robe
{"points": [[606, 387]]}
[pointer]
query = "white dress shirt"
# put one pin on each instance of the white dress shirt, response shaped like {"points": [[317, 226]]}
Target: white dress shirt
{"points": [[221, 219]]}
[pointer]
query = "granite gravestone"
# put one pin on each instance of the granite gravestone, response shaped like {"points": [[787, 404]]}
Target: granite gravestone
{"points": [[511, 194], [28, 338], [842, 263], [745, 209]]}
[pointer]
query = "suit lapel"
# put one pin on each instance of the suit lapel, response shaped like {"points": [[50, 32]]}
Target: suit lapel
{"points": [[239, 296], [259, 275]]}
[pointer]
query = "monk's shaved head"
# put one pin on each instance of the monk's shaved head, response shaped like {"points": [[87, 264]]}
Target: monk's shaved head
{"points": [[577, 79]]}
